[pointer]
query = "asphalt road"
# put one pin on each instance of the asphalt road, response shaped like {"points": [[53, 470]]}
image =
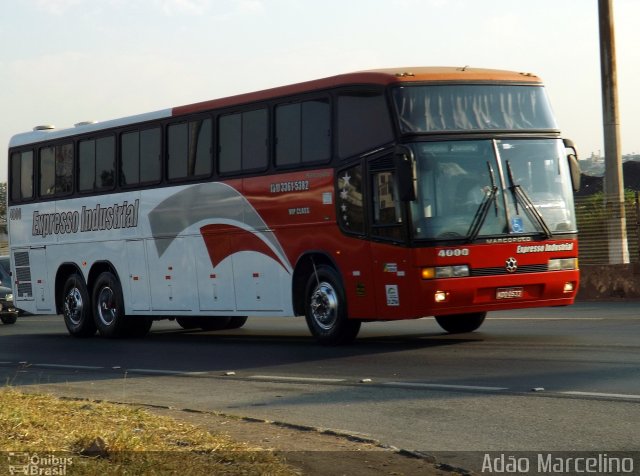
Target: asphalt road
{"points": [[558, 379]]}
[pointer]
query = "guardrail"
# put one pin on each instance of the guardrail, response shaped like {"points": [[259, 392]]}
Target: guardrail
{"points": [[593, 234]]}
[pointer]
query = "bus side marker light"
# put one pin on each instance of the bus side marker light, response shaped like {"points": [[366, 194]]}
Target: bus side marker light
{"points": [[440, 296]]}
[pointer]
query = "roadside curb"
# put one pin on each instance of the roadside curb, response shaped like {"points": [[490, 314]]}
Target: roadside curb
{"points": [[351, 436]]}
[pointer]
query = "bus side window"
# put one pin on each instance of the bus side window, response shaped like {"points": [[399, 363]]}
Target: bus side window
{"points": [[303, 132], [21, 176], [386, 209], [189, 149], [243, 142], [364, 122], [387, 214], [96, 165], [140, 157], [56, 170], [229, 143]]}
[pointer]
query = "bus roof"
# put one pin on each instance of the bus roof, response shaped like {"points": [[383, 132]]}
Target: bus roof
{"points": [[377, 77]]}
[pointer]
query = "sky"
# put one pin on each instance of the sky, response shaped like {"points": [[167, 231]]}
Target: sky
{"points": [[66, 61]]}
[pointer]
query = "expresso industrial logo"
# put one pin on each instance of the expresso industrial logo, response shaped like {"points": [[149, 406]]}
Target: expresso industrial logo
{"points": [[99, 218]]}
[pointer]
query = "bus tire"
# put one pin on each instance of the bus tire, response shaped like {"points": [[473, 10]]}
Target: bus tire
{"points": [[461, 323], [108, 306], [137, 326], [236, 322], [76, 307], [213, 323], [326, 308], [9, 319], [187, 322]]}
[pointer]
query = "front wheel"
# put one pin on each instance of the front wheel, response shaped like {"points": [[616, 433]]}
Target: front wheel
{"points": [[76, 307], [326, 308], [461, 323], [8, 319]]}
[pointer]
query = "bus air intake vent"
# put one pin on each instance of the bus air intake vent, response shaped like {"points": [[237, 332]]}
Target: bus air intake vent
{"points": [[531, 268], [385, 163], [23, 275]]}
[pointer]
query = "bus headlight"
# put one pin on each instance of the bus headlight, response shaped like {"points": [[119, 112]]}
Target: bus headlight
{"points": [[438, 272], [563, 264]]}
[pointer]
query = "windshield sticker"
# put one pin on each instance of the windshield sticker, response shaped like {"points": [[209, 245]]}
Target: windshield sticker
{"points": [[517, 226]]}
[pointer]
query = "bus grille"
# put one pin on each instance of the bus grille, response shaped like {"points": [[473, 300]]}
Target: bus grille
{"points": [[531, 268]]}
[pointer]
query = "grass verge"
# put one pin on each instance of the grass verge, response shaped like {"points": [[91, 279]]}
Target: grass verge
{"points": [[60, 437]]}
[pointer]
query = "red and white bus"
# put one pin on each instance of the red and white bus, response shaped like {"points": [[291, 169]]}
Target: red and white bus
{"points": [[376, 195]]}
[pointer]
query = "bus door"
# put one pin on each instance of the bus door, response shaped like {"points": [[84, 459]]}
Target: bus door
{"points": [[387, 231]]}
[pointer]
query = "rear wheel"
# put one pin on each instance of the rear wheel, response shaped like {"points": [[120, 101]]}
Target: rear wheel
{"points": [[236, 322], [461, 323], [187, 322], [108, 306], [213, 323], [76, 307], [326, 308]]}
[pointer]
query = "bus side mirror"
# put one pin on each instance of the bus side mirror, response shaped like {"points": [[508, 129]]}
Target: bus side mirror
{"points": [[574, 165], [403, 161]]}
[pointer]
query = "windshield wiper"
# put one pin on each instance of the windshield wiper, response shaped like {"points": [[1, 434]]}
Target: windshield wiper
{"points": [[519, 195], [483, 209]]}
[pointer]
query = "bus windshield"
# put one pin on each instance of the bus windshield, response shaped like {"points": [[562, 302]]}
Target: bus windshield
{"points": [[444, 108], [483, 188]]}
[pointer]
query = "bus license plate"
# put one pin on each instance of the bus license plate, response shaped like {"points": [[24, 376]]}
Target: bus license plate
{"points": [[508, 293]]}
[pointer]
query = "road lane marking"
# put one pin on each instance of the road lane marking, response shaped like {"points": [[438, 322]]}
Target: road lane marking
{"points": [[444, 386], [163, 372], [71, 367], [297, 379], [599, 394], [545, 318]]}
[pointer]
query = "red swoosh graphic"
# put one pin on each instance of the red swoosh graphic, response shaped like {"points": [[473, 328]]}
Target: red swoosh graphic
{"points": [[224, 240]]}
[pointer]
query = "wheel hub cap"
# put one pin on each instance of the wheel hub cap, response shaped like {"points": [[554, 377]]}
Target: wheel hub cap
{"points": [[324, 306], [73, 306], [107, 311]]}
